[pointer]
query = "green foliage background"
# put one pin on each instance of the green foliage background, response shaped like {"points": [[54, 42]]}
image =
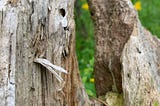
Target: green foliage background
{"points": [[149, 16]]}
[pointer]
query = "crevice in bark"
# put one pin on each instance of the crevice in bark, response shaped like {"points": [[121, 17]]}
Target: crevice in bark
{"points": [[10, 51], [1, 18], [62, 12]]}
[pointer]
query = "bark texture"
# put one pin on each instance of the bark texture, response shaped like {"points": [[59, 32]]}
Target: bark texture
{"points": [[141, 69], [124, 47], [32, 29], [114, 21]]}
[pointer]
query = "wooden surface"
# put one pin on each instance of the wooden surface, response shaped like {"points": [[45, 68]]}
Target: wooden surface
{"points": [[32, 29], [140, 68], [114, 22]]}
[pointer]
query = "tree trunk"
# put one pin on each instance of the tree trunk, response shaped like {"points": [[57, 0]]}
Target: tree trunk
{"points": [[114, 22], [141, 69], [124, 47], [31, 31], [37, 39]]}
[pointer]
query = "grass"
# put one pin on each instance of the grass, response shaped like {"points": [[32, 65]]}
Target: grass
{"points": [[149, 16], [85, 46]]}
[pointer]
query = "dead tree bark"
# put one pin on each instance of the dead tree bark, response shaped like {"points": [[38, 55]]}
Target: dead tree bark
{"points": [[37, 35], [141, 68], [32, 30], [114, 21], [124, 47]]}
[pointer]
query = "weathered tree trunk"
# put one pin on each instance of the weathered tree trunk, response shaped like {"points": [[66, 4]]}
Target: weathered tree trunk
{"points": [[141, 69], [35, 33], [38, 29], [124, 47], [114, 21]]}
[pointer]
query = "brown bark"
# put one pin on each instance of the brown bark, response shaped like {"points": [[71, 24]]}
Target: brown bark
{"points": [[124, 47], [114, 21], [38, 29]]}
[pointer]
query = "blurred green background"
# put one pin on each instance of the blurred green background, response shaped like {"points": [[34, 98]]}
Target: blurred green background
{"points": [[149, 14]]}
